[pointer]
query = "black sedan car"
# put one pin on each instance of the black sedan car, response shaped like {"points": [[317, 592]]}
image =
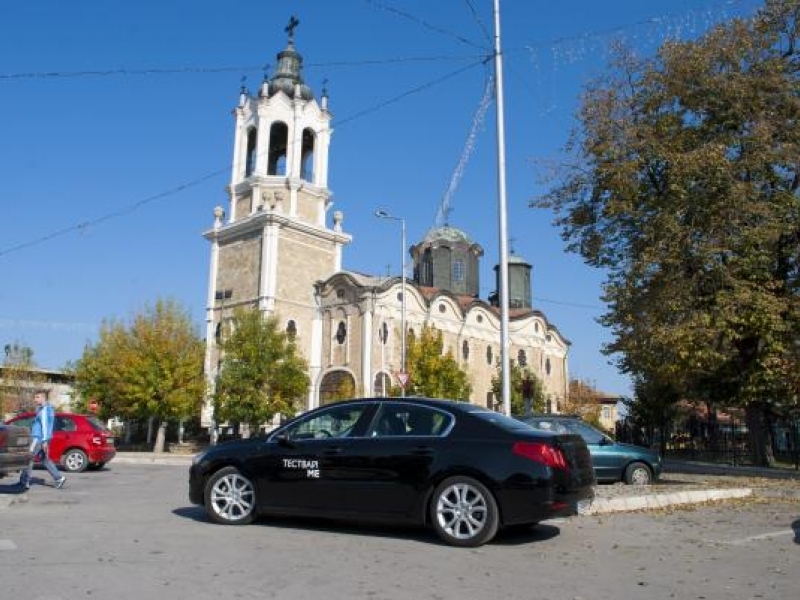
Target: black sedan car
{"points": [[459, 468]]}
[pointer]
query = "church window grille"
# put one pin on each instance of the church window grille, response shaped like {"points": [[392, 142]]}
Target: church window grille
{"points": [[465, 350], [489, 355], [547, 366], [291, 330], [459, 271], [522, 358]]}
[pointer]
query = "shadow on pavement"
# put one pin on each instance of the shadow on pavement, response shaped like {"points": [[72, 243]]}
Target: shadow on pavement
{"points": [[505, 537], [10, 487]]}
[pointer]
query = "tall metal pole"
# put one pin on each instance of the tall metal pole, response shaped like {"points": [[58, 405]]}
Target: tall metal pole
{"points": [[403, 306], [501, 201], [382, 214]]}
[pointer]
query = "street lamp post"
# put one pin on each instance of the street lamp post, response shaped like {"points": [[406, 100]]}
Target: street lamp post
{"points": [[382, 214]]}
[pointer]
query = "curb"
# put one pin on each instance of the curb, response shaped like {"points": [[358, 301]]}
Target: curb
{"points": [[652, 501], [153, 459]]}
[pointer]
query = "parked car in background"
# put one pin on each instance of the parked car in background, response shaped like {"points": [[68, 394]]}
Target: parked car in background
{"points": [[79, 442], [460, 469], [14, 448], [612, 460]]}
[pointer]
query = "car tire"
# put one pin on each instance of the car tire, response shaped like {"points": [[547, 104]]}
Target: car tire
{"points": [[464, 512], [74, 460], [638, 473], [230, 497]]}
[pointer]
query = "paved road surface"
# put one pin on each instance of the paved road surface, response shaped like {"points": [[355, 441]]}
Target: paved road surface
{"points": [[128, 533]]}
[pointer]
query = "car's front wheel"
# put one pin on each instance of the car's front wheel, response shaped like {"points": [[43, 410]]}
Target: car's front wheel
{"points": [[74, 460], [230, 497], [464, 512], [638, 474]]}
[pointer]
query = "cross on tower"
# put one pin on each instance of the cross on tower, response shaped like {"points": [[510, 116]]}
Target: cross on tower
{"points": [[293, 23]]}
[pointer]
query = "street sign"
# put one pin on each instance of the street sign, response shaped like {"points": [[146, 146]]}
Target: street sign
{"points": [[402, 378]]}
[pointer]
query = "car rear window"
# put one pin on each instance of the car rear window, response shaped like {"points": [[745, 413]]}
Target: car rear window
{"points": [[96, 424], [500, 420]]}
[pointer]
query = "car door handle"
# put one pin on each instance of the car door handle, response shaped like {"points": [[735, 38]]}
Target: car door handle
{"points": [[332, 451], [422, 450]]}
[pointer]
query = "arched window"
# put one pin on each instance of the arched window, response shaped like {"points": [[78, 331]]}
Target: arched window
{"points": [[465, 350], [383, 333], [250, 160], [341, 333], [291, 330], [278, 141], [489, 355], [547, 366], [522, 358], [307, 160]]}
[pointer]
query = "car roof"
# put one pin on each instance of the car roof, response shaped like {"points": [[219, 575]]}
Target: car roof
{"points": [[420, 400]]}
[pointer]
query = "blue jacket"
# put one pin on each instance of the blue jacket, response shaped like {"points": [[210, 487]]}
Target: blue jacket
{"points": [[42, 425]]}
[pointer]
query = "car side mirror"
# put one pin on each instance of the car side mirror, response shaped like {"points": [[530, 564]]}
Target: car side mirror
{"points": [[284, 440]]}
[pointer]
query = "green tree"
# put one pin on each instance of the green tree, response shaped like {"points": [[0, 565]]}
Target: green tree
{"points": [[20, 377], [432, 372], [152, 367], [524, 382], [685, 190], [583, 400], [262, 373]]}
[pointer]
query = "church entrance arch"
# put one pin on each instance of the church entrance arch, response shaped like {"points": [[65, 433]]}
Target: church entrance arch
{"points": [[336, 385]]}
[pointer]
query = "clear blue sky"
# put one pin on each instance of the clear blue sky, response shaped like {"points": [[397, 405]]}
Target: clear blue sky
{"points": [[116, 129]]}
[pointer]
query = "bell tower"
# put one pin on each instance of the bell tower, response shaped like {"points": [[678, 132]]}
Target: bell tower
{"points": [[275, 243]]}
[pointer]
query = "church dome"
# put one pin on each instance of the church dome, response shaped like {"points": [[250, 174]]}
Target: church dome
{"points": [[287, 76], [448, 234]]}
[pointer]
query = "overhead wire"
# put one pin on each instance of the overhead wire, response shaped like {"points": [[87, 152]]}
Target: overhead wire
{"points": [[177, 70], [150, 199]]}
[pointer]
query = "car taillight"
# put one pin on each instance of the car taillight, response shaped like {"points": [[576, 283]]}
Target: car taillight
{"points": [[541, 453]]}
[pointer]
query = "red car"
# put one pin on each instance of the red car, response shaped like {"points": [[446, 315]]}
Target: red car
{"points": [[79, 442]]}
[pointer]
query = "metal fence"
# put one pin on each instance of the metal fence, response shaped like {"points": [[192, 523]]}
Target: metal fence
{"points": [[728, 443]]}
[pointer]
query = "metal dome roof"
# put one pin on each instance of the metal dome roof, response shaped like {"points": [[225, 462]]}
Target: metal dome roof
{"points": [[287, 75], [448, 234]]}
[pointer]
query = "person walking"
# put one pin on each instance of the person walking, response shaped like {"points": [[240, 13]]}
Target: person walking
{"points": [[41, 434]]}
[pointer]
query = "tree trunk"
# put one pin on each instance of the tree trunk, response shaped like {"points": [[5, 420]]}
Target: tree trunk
{"points": [[149, 430], [758, 434], [161, 437]]}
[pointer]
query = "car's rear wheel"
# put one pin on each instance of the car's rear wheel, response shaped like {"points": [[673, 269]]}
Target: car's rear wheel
{"points": [[74, 460], [464, 512], [638, 473], [230, 497]]}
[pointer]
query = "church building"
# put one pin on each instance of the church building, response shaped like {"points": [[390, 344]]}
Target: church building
{"points": [[279, 248]]}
